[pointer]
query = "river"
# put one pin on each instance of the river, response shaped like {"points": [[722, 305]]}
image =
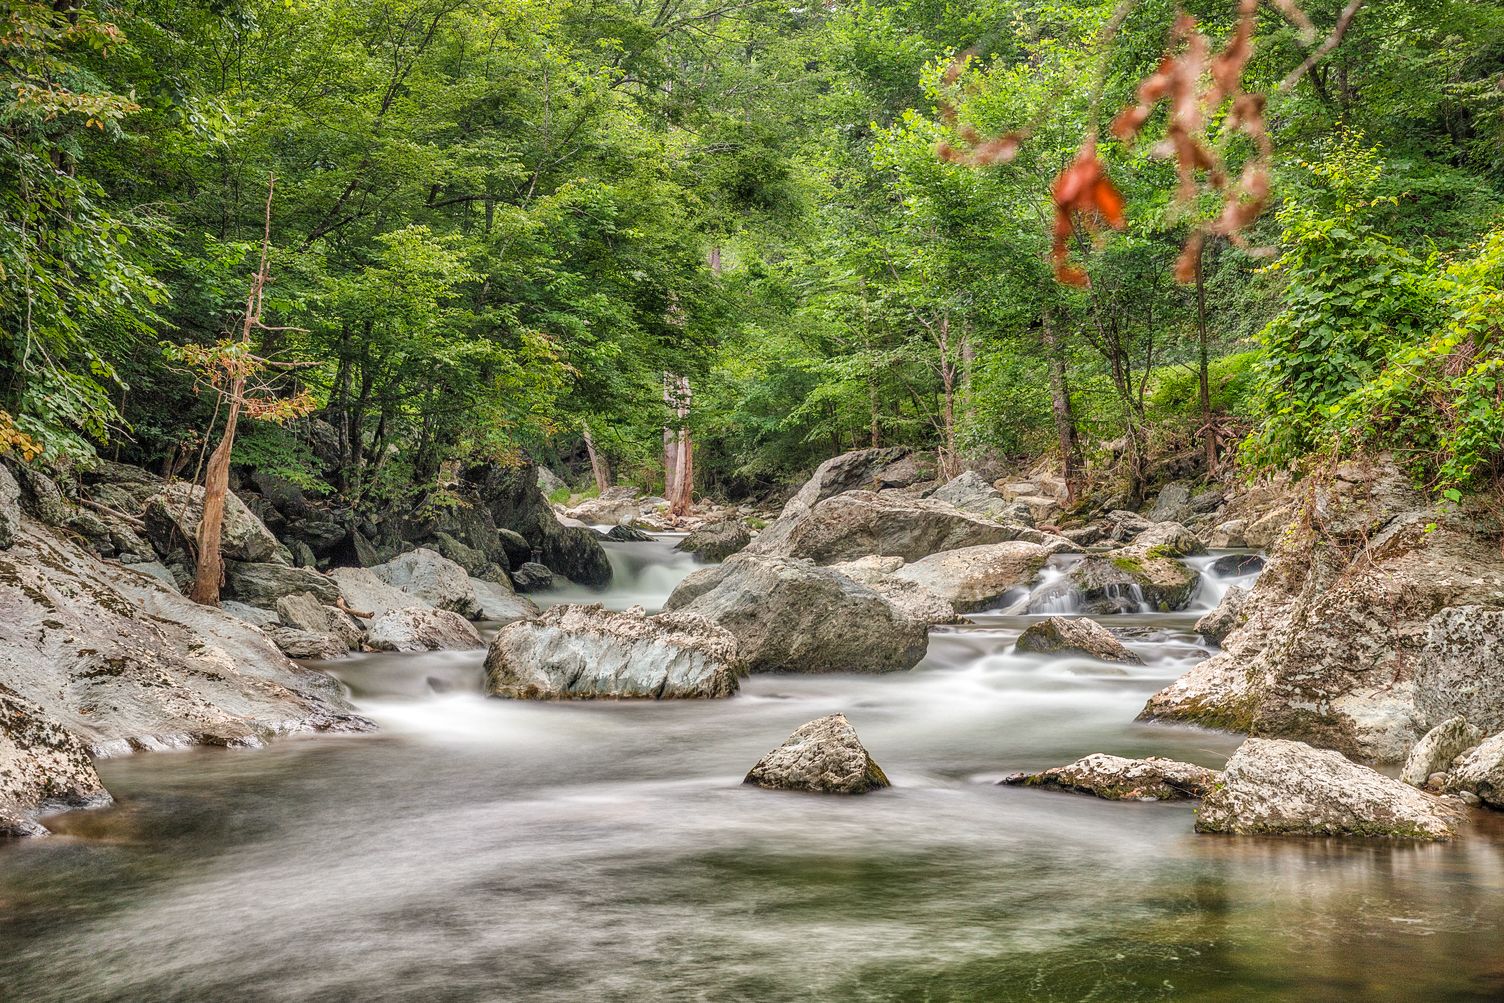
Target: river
{"points": [[483, 850]]}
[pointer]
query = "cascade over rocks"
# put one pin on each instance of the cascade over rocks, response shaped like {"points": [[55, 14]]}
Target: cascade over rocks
{"points": [[977, 578], [1074, 635], [824, 756], [1119, 581], [576, 652], [1366, 629], [790, 615], [123, 662], [43, 767], [1273, 787], [1119, 779], [716, 541]]}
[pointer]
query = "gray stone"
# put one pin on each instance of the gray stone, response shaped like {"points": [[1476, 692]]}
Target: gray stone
{"points": [[1168, 539], [1074, 635], [627, 534], [1236, 565], [43, 767], [1122, 580], [1442, 744], [1117, 779], [364, 592], [434, 579], [1273, 787], [1173, 503], [977, 578], [416, 629], [1226, 618], [789, 615], [173, 516], [10, 507], [1480, 772], [824, 756], [716, 541], [1229, 535], [263, 584], [500, 604], [970, 492], [253, 615], [306, 644], [532, 577], [587, 652]]}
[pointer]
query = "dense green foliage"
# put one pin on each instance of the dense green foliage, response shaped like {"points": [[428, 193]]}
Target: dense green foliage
{"points": [[497, 219]]}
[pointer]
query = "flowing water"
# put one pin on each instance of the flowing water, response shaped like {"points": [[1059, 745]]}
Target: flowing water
{"points": [[480, 849]]}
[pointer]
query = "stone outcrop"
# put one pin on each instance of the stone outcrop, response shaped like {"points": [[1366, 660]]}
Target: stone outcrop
{"points": [[1480, 772], [43, 767], [1374, 621], [716, 541], [1273, 787], [1119, 779], [501, 604], [790, 615], [824, 756], [1436, 750], [1074, 635], [511, 499], [123, 662], [587, 652], [419, 629], [860, 469], [977, 578]]}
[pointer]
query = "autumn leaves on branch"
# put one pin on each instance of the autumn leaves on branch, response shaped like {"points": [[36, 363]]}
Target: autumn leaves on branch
{"points": [[1197, 86]]}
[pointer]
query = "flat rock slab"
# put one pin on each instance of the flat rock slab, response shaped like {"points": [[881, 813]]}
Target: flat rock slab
{"points": [[1119, 779], [824, 756], [1274, 787]]}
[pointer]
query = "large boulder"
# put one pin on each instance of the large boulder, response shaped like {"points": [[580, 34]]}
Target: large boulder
{"points": [[419, 629], [1058, 635], [970, 492], [824, 756], [1168, 539], [861, 469], [121, 661], [1480, 772], [306, 644], [1435, 752], [587, 652], [1226, 618], [716, 541], [43, 767], [790, 615], [1173, 503], [172, 520], [1274, 787], [262, 584], [1377, 618], [532, 577], [500, 604], [510, 496], [365, 592], [304, 612], [977, 578], [433, 578], [1119, 779], [855, 524], [909, 598]]}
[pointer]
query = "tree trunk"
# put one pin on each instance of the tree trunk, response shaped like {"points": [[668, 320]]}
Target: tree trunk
{"points": [[1060, 410], [948, 403], [682, 499], [1208, 427], [670, 437], [598, 468]]}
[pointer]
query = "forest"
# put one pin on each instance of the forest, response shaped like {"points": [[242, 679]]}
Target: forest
{"points": [[499, 225], [868, 500]]}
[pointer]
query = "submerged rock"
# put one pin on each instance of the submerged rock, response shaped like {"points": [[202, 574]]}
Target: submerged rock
{"points": [[419, 629], [1074, 635], [977, 578], [716, 541], [789, 615], [43, 767], [576, 652], [1480, 772], [824, 756], [1442, 744], [1275, 787], [1119, 779]]}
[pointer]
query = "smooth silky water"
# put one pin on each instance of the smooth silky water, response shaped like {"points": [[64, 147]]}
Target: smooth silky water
{"points": [[480, 849]]}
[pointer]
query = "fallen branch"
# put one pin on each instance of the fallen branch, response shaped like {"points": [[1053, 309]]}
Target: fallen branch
{"points": [[344, 607], [130, 520]]}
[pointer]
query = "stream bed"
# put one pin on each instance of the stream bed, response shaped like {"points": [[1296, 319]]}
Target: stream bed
{"points": [[478, 849]]}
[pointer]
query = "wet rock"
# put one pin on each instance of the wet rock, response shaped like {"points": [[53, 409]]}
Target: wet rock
{"points": [[500, 604], [1074, 635], [532, 577], [790, 615], [977, 578], [824, 756], [263, 584], [420, 629], [1375, 618], [1480, 772], [1236, 565], [172, 520], [1442, 744], [627, 534], [586, 652], [1226, 618], [431, 577], [1274, 787], [43, 767], [118, 659], [716, 541], [1119, 779]]}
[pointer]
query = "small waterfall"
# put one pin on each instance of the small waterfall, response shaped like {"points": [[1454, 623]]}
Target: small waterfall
{"points": [[642, 574], [1220, 572]]}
